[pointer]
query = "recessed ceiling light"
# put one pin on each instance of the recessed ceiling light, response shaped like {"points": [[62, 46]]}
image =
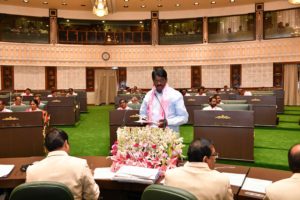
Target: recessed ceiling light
{"points": [[125, 6], [213, 2], [45, 2], [143, 6], [64, 3], [126, 0], [232, 1], [196, 3], [159, 5], [177, 4], [26, 1]]}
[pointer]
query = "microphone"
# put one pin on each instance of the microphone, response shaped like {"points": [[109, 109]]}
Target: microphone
{"points": [[124, 119], [165, 119]]}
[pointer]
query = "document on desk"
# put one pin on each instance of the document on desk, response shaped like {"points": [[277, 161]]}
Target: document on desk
{"points": [[235, 179], [136, 174], [256, 185], [5, 170], [103, 173]]}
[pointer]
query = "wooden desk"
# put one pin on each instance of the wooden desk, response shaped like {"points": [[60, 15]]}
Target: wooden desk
{"points": [[21, 134], [263, 106], [262, 173], [193, 103], [233, 169], [62, 110], [232, 132]]}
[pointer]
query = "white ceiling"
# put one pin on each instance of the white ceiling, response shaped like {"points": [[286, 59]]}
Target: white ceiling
{"points": [[133, 5]]}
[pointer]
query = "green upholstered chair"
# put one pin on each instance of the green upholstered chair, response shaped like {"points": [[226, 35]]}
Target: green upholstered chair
{"points": [[163, 192], [41, 190], [18, 108], [234, 101]]}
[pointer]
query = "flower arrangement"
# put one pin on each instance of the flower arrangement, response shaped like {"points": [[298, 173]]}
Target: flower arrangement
{"points": [[146, 147]]}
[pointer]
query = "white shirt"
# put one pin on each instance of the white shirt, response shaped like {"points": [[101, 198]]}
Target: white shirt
{"points": [[6, 110], [177, 114], [248, 93], [212, 108]]}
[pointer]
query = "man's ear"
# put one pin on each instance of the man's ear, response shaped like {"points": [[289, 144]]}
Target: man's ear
{"points": [[205, 158]]}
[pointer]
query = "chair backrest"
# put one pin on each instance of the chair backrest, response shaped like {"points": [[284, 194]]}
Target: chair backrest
{"points": [[41, 190], [163, 192]]}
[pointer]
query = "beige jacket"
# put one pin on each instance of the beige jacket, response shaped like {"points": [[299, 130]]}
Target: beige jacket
{"points": [[197, 178], [286, 189], [73, 172]]}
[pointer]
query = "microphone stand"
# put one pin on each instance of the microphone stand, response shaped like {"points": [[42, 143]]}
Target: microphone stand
{"points": [[165, 119]]}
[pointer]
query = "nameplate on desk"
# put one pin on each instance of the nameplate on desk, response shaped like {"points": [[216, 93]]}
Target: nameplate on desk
{"points": [[223, 117], [255, 194], [56, 101], [10, 118], [134, 116], [256, 185], [255, 100], [191, 100]]}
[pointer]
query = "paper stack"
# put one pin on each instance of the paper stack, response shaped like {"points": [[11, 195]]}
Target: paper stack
{"points": [[5, 170], [136, 174]]}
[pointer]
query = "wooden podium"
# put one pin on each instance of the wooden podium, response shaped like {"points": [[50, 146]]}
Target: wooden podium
{"points": [[232, 132], [119, 118], [194, 103], [21, 134]]}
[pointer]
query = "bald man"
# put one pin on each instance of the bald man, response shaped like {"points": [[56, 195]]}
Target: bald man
{"points": [[287, 189]]}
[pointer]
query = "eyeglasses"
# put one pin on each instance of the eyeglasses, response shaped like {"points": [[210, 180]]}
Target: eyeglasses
{"points": [[215, 154]]}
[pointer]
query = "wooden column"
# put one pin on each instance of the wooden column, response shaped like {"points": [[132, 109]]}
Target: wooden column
{"points": [[154, 22], [205, 30], [259, 12], [53, 26]]}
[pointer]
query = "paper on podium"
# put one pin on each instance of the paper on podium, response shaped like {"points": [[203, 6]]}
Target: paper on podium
{"points": [[136, 174], [235, 179], [103, 173], [256, 185], [142, 121], [5, 170]]}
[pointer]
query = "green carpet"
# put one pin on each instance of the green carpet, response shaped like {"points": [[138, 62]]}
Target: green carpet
{"points": [[91, 137]]}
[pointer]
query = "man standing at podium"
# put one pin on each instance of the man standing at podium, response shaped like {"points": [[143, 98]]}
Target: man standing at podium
{"points": [[287, 188], [163, 106]]}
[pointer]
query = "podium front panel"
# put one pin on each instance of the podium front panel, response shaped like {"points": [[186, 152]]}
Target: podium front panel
{"points": [[232, 132]]}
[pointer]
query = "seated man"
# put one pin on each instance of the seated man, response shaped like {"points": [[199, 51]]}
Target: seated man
{"points": [[218, 98], [123, 105], [184, 92], [71, 92], [243, 92], [2, 107], [18, 101], [53, 94], [287, 188], [212, 104], [198, 175], [27, 92], [201, 91], [60, 167]]}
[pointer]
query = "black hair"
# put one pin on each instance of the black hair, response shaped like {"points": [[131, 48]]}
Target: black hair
{"points": [[122, 100], [55, 139], [211, 98], [35, 101], [159, 72], [198, 149], [3, 102], [294, 160]]}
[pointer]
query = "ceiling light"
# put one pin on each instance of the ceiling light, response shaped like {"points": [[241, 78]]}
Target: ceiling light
{"points": [[125, 6], [126, 0], [159, 5], [196, 3], [177, 4], [143, 6], [100, 8], [26, 1], [45, 2], [294, 1], [213, 2], [231, 1], [64, 3]]}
